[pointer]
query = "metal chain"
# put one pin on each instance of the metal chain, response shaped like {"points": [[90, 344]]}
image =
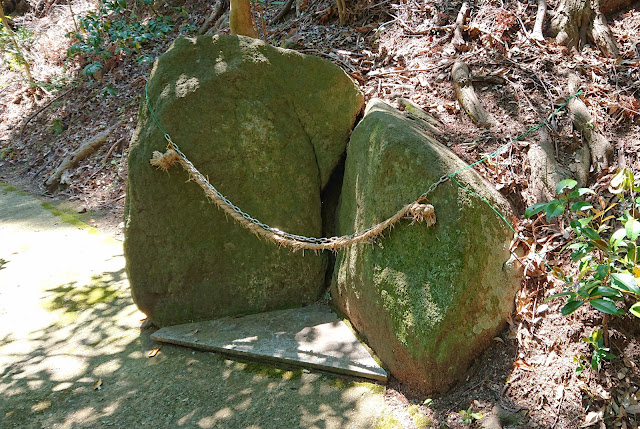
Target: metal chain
{"points": [[355, 235]]}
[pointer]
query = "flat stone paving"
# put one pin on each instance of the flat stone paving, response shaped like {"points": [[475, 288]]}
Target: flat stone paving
{"points": [[311, 337]]}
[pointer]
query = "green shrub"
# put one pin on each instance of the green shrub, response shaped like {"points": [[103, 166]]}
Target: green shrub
{"points": [[608, 269], [114, 30]]}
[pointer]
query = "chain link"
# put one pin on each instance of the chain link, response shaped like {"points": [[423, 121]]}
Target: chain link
{"points": [[284, 234], [355, 235]]}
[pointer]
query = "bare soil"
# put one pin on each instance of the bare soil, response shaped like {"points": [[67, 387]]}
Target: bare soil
{"points": [[393, 49]]}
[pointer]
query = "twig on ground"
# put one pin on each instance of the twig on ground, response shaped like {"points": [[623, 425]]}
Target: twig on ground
{"points": [[285, 9], [112, 148], [41, 110]]}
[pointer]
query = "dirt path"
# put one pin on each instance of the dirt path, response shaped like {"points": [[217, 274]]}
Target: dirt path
{"points": [[73, 354]]}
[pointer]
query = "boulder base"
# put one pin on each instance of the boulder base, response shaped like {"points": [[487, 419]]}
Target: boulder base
{"points": [[267, 126], [427, 299]]}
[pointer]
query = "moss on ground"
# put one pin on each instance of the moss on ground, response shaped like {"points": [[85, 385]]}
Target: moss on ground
{"points": [[387, 421]]}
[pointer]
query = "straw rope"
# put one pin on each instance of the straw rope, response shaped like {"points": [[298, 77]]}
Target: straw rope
{"points": [[416, 211]]}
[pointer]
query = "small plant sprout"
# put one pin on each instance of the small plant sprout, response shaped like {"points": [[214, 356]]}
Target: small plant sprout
{"points": [[468, 416], [600, 352]]}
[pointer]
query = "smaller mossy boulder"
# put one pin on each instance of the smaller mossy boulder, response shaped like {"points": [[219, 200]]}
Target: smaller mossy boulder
{"points": [[427, 299], [267, 126]]}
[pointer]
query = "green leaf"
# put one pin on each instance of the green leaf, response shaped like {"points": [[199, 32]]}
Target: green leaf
{"points": [[635, 309], [580, 205], [570, 307], [606, 292], [632, 229], [606, 305], [602, 271], [632, 253], [534, 209], [580, 192], [565, 184], [625, 282], [591, 234], [617, 237], [554, 208]]}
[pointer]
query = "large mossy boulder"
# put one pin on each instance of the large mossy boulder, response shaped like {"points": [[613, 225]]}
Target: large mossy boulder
{"points": [[427, 299], [267, 126]]}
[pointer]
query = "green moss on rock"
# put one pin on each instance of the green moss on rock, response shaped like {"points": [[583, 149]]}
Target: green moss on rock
{"points": [[267, 126], [428, 300]]}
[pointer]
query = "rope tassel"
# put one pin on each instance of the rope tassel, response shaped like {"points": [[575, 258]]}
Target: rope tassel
{"points": [[164, 161]]}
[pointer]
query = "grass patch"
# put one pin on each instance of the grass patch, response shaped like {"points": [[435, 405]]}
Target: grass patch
{"points": [[8, 188], [70, 218]]}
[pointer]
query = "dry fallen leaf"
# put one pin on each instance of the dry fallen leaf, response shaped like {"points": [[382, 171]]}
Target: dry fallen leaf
{"points": [[592, 418], [523, 365], [98, 384], [632, 409], [153, 352]]}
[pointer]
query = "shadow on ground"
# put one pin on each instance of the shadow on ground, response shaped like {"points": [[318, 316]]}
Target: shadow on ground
{"points": [[73, 353], [91, 368]]}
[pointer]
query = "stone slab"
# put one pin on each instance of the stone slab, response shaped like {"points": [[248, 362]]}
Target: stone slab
{"points": [[311, 337]]}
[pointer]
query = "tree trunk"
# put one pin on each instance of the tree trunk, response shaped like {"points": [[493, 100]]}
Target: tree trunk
{"points": [[575, 20], [240, 21]]}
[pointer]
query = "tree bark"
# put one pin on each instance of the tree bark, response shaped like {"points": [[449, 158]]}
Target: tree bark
{"points": [[343, 14], [240, 21], [575, 20]]}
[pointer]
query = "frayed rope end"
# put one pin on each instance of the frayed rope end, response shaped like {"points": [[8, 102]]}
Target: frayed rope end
{"points": [[422, 213], [164, 161]]}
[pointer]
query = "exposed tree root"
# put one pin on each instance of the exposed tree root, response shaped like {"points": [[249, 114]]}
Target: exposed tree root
{"points": [[599, 146], [538, 27], [458, 41], [71, 160], [221, 7], [285, 9], [546, 172], [466, 95]]}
